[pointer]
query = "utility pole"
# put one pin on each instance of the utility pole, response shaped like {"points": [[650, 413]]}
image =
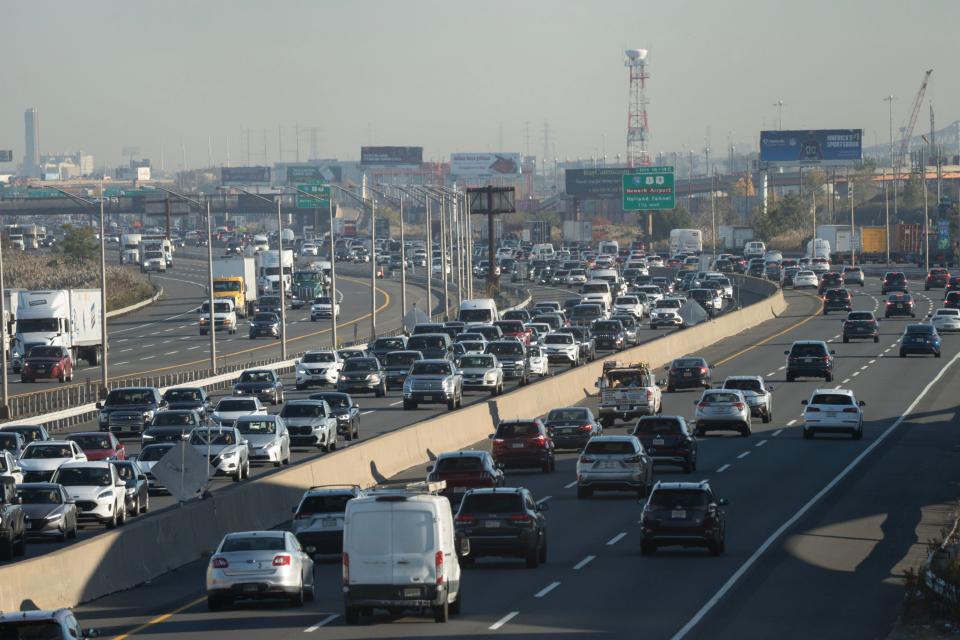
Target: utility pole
{"points": [[853, 228], [886, 206], [889, 100], [5, 408], [779, 105]]}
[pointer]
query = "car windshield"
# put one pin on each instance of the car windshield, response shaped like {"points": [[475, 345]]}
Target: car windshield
{"points": [[45, 352], [518, 430], [256, 426], [83, 477], [587, 311], [388, 343], [838, 293], [236, 405], [567, 415], [459, 463], [318, 357], [360, 364], [182, 395], [510, 326], [37, 495], [321, 300], [953, 313], [257, 376], [8, 441], [742, 385], [152, 453], [47, 451], [505, 348], [334, 400], [216, 437], [265, 318], [492, 503], [302, 411], [607, 326], [31, 630], [476, 362], [686, 363], [808, 350], [657, 426], [92, 441], [609, 447], [920, 329], [860, 315], [831, 398], [683, 498], [669, 303], [421, 342], [431, 368], [720, 397], [252, 543], [130, 396], [559, 338], [400, 359], [336, 503], [124, 470]]}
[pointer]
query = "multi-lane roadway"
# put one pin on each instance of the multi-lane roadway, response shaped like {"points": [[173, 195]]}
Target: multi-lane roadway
{"points": [[818, 531]]}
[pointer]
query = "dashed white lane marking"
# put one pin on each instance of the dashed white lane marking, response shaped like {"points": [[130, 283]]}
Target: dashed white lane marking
{"points": [[782, 368], [330, 618], [192, 348], [121, 340], [778, 432], [617, 538], [363, 413], [570, 485], [148, 357], [183, 326], [117, 364], [504, 620], [543, 499], [855, 374], [393, 404], [170, 353], [743, 455], [830, 340], [125, 350], [771, 373], [792, 422], [836, 337], [872, 362], [723, 468], [547, 589], [864, 367], [761, 443], [845, 381], [167, 341], [584, 562], [169, 330]]}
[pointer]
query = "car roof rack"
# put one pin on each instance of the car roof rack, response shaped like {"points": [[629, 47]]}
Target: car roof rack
{"points": [[422, 487], [335, 486]]}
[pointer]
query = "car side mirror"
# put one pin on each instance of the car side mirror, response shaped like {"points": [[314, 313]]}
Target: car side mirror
{"points": [[771, 388], [71, 501], [861, 404], [803, 402], [722, 502], [99, 405], [244, 442], [786, 353]]}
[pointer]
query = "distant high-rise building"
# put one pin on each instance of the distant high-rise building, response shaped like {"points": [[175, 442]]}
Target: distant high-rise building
{"points": [[31, 155]]}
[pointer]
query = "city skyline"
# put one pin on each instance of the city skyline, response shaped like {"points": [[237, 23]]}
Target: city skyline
{"points": [[425, 73]]}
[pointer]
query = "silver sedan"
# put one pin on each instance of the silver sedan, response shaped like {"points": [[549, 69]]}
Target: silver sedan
{"points": [[259, 564], [722, 410]]}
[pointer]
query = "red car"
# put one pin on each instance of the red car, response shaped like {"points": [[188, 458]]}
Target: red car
{"points": [[99, 446], [464, 470], [47, 362], [523, 443], [515, 329]]}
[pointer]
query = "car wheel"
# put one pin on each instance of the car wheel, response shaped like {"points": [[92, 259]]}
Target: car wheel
{"points": [[112, 523], [846, 339], [876, 339], [533, 558], [715, 548], [545, 467], [789, 377], [296, 599], [238, 476], [456, 607], [903, 355], [452, 404], [146, 503], [745, 431], [936, 355], [136, 508], [72, 533], [828, 376], [858, 434], [122, 519], [441, 613], [766, 417], [61, 378], [64, 534], [409, 404], [20, 546], [301, 387], [351, 615]]}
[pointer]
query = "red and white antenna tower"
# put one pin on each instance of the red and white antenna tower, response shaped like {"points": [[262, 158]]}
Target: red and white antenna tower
{"points": [[638, 130]]}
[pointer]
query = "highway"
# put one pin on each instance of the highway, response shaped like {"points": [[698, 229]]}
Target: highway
{"points": [[819, 530], [164, 337]]}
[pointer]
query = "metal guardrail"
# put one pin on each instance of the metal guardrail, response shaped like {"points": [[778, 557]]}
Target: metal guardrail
{"points": [[58, 399]]}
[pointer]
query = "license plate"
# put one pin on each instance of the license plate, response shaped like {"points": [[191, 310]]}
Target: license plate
{"points": [[658, 441], [411, 593], [250, 588], [678, 514], [328, 522], [809, 359], [608, 465], [688, 374], [831, 414], [899, 306], [492, 524], [431, 398], [517, 445], [459, 489]]}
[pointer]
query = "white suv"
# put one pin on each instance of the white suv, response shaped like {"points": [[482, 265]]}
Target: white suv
{"points": [[833, 411], [318, 367], [100, 494]]}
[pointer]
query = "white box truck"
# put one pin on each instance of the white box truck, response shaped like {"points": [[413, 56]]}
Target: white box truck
{"points": [[130, 248], [686, 241], [236, 278], [66, 318], [268, 270]]}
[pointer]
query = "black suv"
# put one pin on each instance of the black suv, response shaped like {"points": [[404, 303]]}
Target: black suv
{"points": [[130, 409], [13, 524], [265, 323], [609, 334], [894, 281], [900, 304], [189, 398], [861, 324], [264, 384], [809, 358], [686, 514], [830, 280], [667, 440], [837, 300], [503, 522]]}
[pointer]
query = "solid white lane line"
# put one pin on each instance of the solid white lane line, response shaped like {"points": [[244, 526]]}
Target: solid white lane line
{"points": [[617, 538], [778, 432], [761, 443], [547, 589], [723, 468], [743, 455], [792, 422], [543, 499], [584, 562], [571, 485], [732, 580], [322, 623], [504, 620]]}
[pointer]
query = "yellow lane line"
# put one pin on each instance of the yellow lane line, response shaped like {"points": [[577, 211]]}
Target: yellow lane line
{"points": [[769, 338], [159, 619]]}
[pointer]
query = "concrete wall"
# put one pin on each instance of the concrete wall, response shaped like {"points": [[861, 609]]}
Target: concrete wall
{"points": [[148, 547]]}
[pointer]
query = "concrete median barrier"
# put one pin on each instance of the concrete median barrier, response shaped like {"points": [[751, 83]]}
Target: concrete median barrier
{"points": [[149, 547]]}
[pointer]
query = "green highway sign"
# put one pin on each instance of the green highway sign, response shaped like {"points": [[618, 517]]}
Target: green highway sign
{"points": [[649, 188], [322, 190]]}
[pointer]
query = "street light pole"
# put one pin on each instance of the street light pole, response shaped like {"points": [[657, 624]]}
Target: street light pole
{"points": [[373, 269], [4, 409]]}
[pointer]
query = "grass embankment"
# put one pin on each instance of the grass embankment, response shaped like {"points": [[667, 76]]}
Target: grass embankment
{"points": [[32, 271]]}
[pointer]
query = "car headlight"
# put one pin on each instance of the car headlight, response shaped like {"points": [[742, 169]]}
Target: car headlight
{"points": [[343, 417], [448, 385], [228, 455], [54, 518], [105, 494], [490, 377], [148, 415], [104, 417], [408, 385], [373, 377], [131, 491], [238, 392]]}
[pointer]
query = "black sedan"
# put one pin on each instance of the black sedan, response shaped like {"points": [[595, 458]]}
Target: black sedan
{"points": [[860, 325], [344, 408], [571, 427], [900, 304], [265, 324], [261, 383], [687, 373]]}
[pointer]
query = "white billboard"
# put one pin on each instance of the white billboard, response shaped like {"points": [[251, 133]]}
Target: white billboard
{"points": [[485, 165]]}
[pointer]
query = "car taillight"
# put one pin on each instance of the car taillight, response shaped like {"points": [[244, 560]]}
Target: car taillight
{"points": [[703, 369], [302, 516], [498, 442], [466, 518], [702, 405], [540, 441], [738, 405], [812, 409], [520, 517], [281, 560], [438, 563], [586, 427], [346, 569], [850, 410], [220, 563], [889, 304], [825, 358]]}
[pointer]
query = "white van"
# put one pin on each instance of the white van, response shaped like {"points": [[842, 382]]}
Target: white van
{"points": [[598, 286], [478, 311], [542, 251], [610, 276], [261, 243], [400, 552], [754, 249]]}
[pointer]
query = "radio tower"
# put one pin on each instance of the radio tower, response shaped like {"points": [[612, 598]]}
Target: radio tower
{"points": [[638, 130]]}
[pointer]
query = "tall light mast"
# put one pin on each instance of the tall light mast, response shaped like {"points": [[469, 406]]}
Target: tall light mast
{"points": [[638, 130]]}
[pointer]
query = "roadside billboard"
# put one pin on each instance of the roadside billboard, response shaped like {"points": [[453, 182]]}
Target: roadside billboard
{"points": [[605, 183], [814, 146], [244, 175], [391, 155], [308, 173], [485, 165]]}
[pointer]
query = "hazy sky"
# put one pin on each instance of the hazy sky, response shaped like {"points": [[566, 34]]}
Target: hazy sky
{"points": [[448, 74]]}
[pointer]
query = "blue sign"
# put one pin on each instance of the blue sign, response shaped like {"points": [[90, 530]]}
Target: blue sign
{"points": [[816, 146]]}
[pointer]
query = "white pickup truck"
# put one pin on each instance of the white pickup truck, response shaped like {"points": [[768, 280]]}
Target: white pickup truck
{"points": [[627, 391]]}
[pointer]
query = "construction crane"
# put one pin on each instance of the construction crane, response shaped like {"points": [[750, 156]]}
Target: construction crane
{"points": [[911, 123]]}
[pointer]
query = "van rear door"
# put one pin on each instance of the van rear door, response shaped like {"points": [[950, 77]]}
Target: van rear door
{"points": [[414, 532], [370, 546]]}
